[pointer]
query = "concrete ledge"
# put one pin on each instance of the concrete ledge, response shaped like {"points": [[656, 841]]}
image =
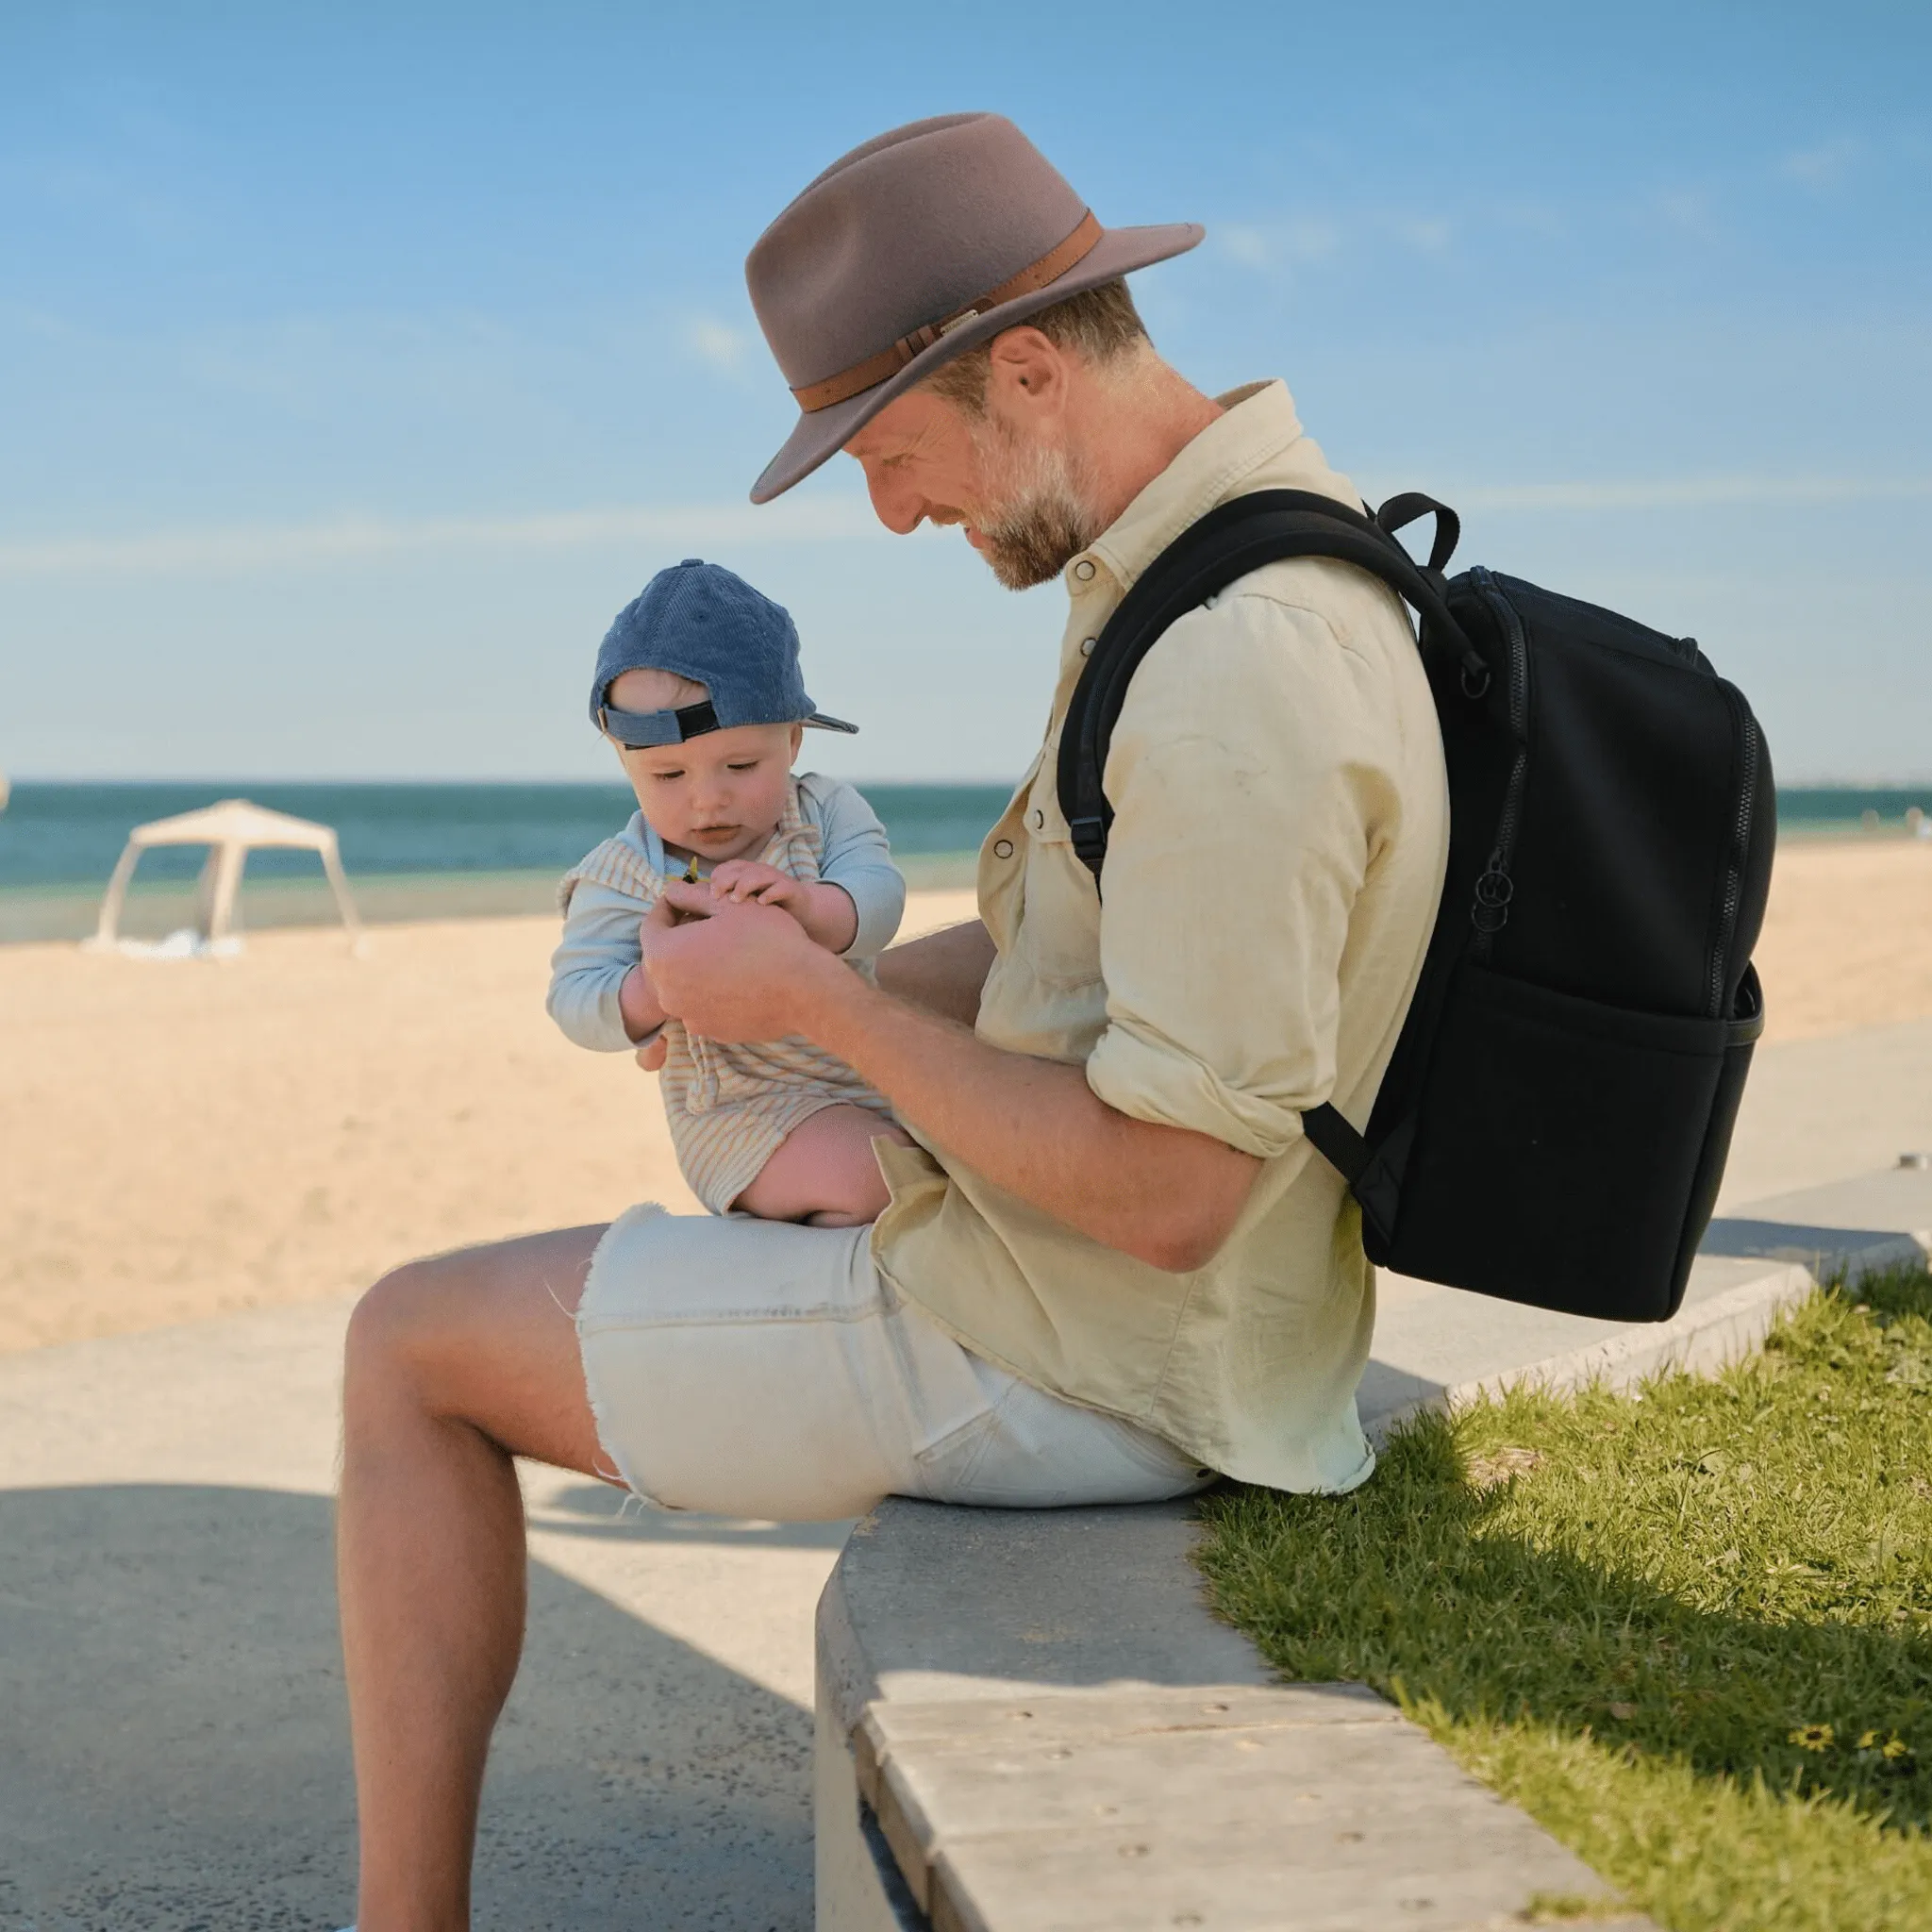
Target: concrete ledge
{"points": [[1310, 1804], [1028, 1722], [1439, 1347], [937, 1608]]}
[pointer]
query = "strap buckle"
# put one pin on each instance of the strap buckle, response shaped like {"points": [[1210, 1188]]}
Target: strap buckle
{"points": [[1089, 837]]}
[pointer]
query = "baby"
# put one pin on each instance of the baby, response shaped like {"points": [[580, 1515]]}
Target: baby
{"points": [[697, 685]]}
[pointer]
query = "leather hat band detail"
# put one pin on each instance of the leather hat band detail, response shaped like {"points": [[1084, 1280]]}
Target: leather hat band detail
{"points": [[1051, 266]]}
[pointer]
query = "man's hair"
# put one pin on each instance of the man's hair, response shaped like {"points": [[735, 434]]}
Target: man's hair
{"points": [[1100, 323]]}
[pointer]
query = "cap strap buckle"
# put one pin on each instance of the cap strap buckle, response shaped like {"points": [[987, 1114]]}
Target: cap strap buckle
{"points": [[639, 730]]}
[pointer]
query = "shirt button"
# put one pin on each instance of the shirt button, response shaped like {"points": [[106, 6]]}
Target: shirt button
{"points": [[1084, 570], [1039, 819], [1087, 645], [1002, 848]]}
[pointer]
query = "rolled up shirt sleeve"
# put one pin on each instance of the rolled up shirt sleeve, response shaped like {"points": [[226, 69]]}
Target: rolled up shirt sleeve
{"points": [[1250, 776], [854, 854], [598, 948]]}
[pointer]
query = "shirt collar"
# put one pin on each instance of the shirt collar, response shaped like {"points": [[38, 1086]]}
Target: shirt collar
{"points": [[1257, 430]]}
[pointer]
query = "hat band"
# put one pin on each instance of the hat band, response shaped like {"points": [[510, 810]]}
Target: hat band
{"points": [[814, 396]]}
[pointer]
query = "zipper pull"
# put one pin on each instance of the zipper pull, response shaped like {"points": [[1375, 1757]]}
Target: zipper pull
{"points": [[1494, 889]]}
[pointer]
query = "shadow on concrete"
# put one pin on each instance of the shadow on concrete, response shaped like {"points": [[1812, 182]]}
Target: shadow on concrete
{"points": [[173, 1747], [1062, 1597], [597, 1510]]}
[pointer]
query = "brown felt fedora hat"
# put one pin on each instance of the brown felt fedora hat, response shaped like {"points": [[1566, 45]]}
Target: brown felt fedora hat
{"points": [[910, 250]]}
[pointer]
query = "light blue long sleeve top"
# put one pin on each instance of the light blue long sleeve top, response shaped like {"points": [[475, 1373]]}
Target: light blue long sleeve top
{"points": [[600, 928]]}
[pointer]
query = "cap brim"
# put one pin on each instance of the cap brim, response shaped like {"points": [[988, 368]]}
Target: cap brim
{"points": [[825, 724], [822, 433]]}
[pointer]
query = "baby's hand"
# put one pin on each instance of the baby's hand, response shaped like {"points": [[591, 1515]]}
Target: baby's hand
{"points": [[745, 881]]}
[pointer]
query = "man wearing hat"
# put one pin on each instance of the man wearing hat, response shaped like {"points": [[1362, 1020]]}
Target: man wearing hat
{"points": [[1112, 1266]]}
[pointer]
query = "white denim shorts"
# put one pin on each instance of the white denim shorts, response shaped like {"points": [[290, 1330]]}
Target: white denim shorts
{"points": [[758, 1368]]}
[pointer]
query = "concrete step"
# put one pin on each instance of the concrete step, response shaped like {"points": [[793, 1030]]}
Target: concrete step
{"points": [[1029, 1722]]}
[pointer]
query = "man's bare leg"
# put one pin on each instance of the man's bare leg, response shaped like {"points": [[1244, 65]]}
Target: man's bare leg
{"points": [[453, 1364]]}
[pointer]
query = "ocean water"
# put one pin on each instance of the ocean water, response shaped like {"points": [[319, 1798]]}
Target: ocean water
{"points": [[62, 834], [1845, 812], [410, 851], [455, 851]]}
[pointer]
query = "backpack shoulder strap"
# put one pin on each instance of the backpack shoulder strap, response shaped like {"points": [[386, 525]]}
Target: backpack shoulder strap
{"points": [[1228, 543]]}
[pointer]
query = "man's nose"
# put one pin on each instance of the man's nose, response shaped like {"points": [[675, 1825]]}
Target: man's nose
{"points": [[895, 502]]}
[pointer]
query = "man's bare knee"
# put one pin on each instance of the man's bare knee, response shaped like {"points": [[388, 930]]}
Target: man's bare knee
{"points": [[396, 1328], [480, 1336]]}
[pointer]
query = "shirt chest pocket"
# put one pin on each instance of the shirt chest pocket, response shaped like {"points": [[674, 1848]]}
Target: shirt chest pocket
{"points": [[1060, 912]]}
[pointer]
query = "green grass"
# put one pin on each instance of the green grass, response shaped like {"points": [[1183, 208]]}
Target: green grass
{"points": [[1689, 1629]]}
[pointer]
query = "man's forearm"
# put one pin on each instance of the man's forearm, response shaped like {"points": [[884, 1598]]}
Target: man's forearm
{"points": [[1036, 1128], [945, 972], [1163, 1194]]}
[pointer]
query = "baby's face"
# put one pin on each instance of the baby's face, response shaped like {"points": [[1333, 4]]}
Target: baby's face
{"points": [[720, 795]]}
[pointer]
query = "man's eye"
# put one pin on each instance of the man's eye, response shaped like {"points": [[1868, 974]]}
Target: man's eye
{"points": [[751, 766], [666, 777]]}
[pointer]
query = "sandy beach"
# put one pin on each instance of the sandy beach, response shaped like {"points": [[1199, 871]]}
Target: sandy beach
{"points": [[183, 1139]]}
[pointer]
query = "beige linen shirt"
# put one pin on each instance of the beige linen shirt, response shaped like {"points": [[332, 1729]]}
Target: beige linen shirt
{"points": [[1277, 850]]}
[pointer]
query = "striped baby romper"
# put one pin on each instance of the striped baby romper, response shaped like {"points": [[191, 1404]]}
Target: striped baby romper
{"points": [[730, 1105]]}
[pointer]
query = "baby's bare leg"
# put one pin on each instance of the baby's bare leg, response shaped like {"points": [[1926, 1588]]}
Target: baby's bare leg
{"points": [[824, 1173]]}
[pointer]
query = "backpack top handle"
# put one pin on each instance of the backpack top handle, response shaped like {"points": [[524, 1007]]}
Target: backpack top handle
{"points": [[1237, 537], [1400, 511]]}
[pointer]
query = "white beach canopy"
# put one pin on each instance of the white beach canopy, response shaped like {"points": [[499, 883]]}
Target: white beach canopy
{"points": [[231, 830]]}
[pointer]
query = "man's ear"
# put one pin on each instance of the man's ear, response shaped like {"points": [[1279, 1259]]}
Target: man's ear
{"points": [[1028, 374], [797, 739]]}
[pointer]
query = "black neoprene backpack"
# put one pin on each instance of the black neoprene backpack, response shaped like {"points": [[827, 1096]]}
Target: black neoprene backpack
{"points": [[1553, 1124]]}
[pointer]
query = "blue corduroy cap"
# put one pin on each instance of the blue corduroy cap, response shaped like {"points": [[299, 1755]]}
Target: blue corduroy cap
{"points": [[707, 623]]}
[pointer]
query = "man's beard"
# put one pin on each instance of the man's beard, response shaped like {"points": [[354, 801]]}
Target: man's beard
{"points": [[1042, 521]]}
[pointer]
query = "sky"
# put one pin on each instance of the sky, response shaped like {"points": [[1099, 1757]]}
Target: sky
{"points": [[358, 362]]}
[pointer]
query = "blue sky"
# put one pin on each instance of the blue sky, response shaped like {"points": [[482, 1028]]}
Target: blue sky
{"points": [[357, 362]]}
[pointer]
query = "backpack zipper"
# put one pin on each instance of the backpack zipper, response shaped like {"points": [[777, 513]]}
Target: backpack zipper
{"points": [[1734, 879], [1494, 888]]}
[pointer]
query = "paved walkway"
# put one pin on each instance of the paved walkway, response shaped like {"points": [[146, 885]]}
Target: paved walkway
{"points": [[172, 1740], [1819, 1110], [173, 1744]]}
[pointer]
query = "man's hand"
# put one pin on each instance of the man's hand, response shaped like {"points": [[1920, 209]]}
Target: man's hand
{"points": [[733, 970]]}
